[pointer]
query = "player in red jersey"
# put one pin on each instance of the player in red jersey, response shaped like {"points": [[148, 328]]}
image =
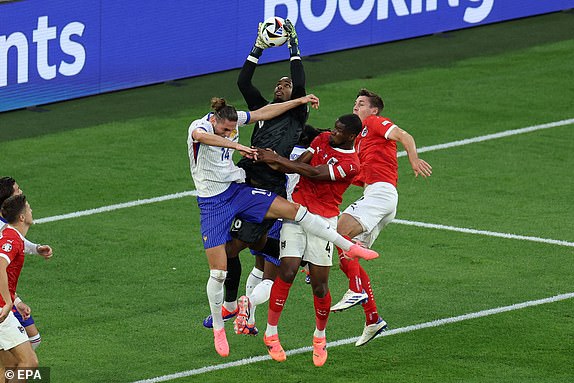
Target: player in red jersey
{"points": [[327, 169], [13, 338], [364, 219], [9, 187]]}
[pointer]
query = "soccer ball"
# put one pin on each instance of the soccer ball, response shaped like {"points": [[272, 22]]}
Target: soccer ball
{"points": [[273, 33]]}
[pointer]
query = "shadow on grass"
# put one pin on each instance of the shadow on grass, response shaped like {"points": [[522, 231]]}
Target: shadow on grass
{"points": [[177, 97]]}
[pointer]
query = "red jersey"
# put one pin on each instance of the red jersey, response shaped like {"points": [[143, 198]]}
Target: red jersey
{"points": [[324, 197], [377, 153], [12, 250]]}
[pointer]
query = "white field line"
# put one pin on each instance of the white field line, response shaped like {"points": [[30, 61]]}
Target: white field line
{"points": [[404, 222], [493, 136], [116, 207], [420, 326], [484, 232]]}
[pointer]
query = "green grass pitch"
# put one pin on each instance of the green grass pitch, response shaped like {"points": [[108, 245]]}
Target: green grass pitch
{"points": [[123, 298]]}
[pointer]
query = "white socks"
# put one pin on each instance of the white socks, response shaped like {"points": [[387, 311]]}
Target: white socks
{"points": [[35, 341], [259, 295], [215, 296], [316, 225], [270, 330], [319, 333], [254, 278]]}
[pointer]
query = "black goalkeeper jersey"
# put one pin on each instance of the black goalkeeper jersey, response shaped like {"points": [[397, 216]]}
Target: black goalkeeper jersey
{"points": [[279, 134]]}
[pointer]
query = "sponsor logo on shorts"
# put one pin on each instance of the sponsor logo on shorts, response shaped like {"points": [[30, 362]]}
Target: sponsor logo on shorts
{"points": [[283, 244], [22, 330], [7, 247]]}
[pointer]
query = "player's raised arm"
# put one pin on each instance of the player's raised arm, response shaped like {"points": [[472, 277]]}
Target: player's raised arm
{"points": [[419, 165], [273, 110], [251, 94]]}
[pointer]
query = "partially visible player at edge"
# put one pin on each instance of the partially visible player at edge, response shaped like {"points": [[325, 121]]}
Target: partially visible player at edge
{"points": [[280, 134], [223, 195], [13, 339], [9, 187], [364, 219]]}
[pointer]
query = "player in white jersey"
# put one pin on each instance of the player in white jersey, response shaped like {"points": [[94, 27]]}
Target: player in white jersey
{"points": [[210, 150]]}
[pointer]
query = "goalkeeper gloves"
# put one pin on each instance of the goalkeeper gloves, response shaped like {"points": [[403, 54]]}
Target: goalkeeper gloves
{"points": [[259, 45], [293, 41]]}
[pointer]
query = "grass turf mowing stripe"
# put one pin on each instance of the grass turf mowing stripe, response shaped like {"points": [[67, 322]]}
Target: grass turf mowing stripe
{"points": [[420, 326], [452, 144]]}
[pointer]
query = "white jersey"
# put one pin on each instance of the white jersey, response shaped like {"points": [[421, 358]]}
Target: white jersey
{"points": [[212, 167], [293, 178]]}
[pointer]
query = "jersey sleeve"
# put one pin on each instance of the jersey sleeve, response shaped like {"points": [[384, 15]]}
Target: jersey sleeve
{"points": [[344, 169], [202, 124], [10, 245], [380, 126], [243, 118], [314, 144]]}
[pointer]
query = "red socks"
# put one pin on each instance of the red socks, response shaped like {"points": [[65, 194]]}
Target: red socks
{"points": [[351, 269], [370, 307], [279, 294], [322, 309]]}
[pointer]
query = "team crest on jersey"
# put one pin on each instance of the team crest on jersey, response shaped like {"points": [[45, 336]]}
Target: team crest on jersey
{"points": [[6, 247], [233, 134], [332, 161], [364, 131], [205, 238]]}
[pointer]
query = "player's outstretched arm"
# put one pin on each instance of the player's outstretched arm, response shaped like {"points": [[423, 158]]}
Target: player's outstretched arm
{"points": [[418, 165], [251, 94], [44, 251], [299, 166], [273, 110], [30, 247], [293, 41]]}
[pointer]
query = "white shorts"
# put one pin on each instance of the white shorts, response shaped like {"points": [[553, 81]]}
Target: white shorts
{"points": [[374, 210], [12, 333], [296, 242]]}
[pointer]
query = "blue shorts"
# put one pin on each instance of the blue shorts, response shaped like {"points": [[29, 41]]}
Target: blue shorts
{"points": [[24, 323], [275, 233], [239, 200]]}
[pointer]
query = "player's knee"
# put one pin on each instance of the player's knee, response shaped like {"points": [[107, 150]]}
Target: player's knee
{"points": [[288, 275], [218, 275], [321, 290]]}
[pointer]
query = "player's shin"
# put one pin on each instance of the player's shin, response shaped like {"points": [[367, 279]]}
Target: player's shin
{"points": [[215, 296]]}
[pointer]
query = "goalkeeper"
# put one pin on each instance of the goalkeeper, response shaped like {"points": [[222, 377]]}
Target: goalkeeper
{"points": [[280, 134]]}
